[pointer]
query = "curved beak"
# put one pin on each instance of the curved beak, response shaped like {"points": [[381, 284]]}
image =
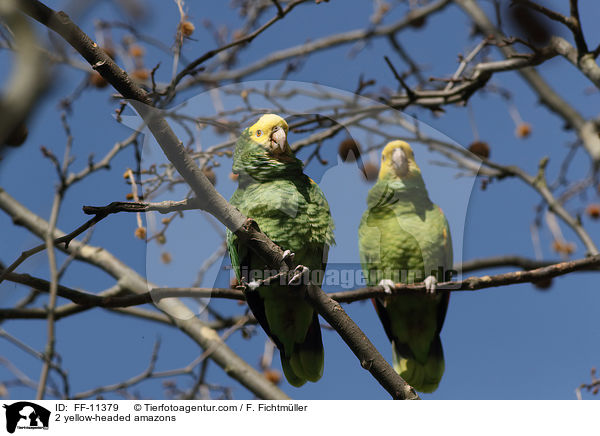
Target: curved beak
{"points": [[400, 162], [278, 139]]}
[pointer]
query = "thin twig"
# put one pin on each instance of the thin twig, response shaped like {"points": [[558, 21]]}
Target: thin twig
{"points": [[51, 338], [192, 66]]}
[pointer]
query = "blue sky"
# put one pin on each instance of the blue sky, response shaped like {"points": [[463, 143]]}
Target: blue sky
{"points": [[506, 343]]}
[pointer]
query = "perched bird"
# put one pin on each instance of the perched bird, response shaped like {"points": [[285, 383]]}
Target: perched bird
{"points": [[292, 211], [404, 237]]}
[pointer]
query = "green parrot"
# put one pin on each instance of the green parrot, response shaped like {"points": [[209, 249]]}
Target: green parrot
{"points": [[404, 237], [291, 209]]}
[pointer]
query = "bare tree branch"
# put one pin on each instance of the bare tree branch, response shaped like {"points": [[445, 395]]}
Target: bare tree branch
{"points": [[543, 272], [572, 21], [41, 356], [192, 66], [318, 45], [204, 336], [585, 129], [49, 239]]}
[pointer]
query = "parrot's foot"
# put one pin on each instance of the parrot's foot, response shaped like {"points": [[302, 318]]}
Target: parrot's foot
{"points": [[287, 254], [299, 273], [387, 285], [430, 284], [253, 285]]}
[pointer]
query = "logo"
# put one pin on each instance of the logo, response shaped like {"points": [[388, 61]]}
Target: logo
{"points": [[26, 415]]}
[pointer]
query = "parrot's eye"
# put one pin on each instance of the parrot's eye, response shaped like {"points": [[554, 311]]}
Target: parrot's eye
{"points": [[258, 133]]}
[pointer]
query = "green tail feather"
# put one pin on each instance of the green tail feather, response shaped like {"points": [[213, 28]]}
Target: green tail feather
{"points": [[307, 359], [302, 366], [308, 364], [289, 373], [313, 363], [423, 376]]}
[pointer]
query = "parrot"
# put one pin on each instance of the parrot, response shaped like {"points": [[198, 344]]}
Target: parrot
{"points": [[404, 237], [290, 208]]}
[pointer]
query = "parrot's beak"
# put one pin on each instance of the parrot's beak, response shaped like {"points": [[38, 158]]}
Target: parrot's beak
{"points": [[278, 139], [400, 162]]}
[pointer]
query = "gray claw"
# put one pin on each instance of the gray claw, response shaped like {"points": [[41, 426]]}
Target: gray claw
{"points": [[253, 285], [387, 285], [288, 254], [299, 272], [430, 284]]}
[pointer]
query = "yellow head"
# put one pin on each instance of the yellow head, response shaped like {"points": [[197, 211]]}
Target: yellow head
{"points": [[398, 160], [271, 131]]}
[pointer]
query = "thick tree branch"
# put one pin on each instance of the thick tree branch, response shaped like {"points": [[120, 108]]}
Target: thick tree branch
{"points": [[62, 311], [502, 261], [477, 283], [586, 63]]}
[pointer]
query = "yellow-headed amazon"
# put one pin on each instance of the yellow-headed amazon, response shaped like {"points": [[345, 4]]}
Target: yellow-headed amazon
{"points": [[405, 238], [291, 210]]}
